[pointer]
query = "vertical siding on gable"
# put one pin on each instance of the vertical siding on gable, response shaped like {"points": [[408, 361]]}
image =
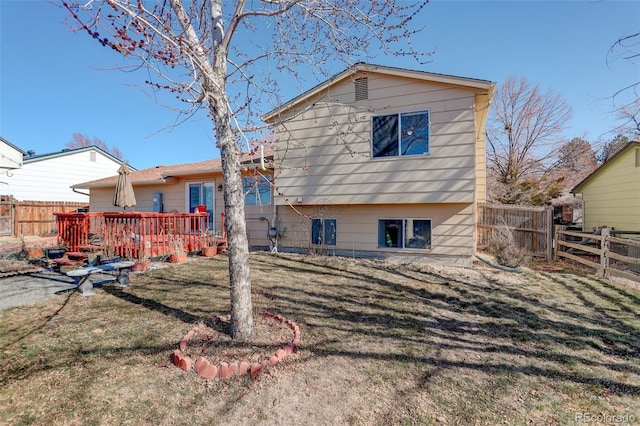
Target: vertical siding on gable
{"points": [[326, 151], [612, 198]]}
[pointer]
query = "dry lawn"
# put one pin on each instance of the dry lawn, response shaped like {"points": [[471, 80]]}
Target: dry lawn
{"points": [[382, 343]]}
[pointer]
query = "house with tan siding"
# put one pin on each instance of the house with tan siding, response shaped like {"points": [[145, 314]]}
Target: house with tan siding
{"points": [[376, 161], [611, 194], [382, 161], [183, 187]]}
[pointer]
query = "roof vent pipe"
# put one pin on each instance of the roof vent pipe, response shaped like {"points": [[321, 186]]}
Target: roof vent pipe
{"points": [[262, 158]]}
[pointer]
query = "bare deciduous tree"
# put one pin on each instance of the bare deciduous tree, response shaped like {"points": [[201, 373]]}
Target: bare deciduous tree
{"points": [[523, 138], [610, 148], [80, 140], [627, 99], [231, 57], [575, 161]]}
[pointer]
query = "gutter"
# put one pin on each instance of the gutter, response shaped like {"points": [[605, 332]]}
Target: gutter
{"points": [[80, 192]]}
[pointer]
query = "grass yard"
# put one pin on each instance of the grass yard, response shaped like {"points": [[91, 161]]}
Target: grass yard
{"points": [[382, 343]]}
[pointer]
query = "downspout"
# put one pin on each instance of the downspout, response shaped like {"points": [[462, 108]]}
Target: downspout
{"points": [[273, 230]]}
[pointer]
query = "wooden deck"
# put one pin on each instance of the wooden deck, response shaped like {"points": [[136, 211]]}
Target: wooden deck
{"points": [[137, 235]]}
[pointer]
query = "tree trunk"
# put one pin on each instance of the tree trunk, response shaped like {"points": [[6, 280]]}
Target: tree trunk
{"points": [[214, 87], [235, 222]]}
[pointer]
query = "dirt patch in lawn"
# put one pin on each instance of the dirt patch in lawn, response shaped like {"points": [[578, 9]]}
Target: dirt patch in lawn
{"points": [[382, 343], [212, 340]]}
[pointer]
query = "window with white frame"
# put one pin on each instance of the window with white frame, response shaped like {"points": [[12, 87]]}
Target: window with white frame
{"points": [[257, 190], [324, 231], [402, 134], [404, 233]]}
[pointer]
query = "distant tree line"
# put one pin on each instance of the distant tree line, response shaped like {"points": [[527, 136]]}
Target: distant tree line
{"points": [[79, 140], [529, 162]]}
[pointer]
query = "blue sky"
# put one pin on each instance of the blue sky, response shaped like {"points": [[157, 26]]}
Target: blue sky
{"points": [[54, 83]]}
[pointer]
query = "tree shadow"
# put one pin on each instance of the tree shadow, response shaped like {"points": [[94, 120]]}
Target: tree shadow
{"points": [[505, 320], [154, 305]]}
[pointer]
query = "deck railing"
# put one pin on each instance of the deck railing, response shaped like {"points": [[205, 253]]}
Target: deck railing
{"points": [[137, 235]]}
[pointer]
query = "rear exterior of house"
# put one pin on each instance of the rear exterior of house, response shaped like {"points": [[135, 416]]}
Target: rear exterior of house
{"points": [[182, 188], [382, 161], [611, 194]]}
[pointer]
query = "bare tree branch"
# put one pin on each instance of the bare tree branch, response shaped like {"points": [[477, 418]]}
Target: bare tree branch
{"points": [[235, 74], [522, 138]]}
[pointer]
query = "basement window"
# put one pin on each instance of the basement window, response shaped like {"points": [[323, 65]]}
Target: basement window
{"points": [[324, 231], [404, 233]]}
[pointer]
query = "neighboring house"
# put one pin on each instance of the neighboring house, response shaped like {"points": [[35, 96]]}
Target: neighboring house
{"points": [[383, 161], [611, 194], [10, 157], [49, 177], [183, 187]]}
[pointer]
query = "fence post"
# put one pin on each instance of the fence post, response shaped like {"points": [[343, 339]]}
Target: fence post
{"points": [[558, 237], [549, 231], [604, 251]]}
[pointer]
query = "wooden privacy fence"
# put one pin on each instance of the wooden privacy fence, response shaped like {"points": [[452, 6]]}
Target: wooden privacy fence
{"points": [[531, 227], [6, 215], [32, 217], [609, 255]]}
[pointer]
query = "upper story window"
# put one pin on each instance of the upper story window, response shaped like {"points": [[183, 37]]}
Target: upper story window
{"points": [[401, 134], [257, 190]]}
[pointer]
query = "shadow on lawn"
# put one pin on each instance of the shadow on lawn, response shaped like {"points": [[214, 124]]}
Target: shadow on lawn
{"points": [[47, 320], [499, 319], [154, 306]]}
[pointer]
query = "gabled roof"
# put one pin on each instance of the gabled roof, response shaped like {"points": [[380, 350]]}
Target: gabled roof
{"points": [[580, 187], [159, 175], [3, 140], [39, 157], [470, 83]]}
